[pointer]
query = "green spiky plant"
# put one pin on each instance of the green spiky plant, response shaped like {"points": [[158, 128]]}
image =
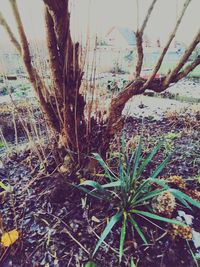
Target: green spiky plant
{"points": [[132, 194]]}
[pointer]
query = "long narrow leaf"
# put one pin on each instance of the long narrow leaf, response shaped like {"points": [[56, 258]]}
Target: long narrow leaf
{"points": [[136, 159], [6, 188], [161, 166], [114, 219], [149, 158], [122, 177], [183, 201], [93, 184], [148, 196], [145, 185], [156, 217], [113, 184], [132, 263], [137, 228], [186, 197], [121, 170], [109, 174], [122, 237], [91, 193], [160, 182], [123, 148]]}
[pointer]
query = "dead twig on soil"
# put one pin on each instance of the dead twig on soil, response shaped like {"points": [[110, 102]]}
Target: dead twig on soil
{"points": [[69, 234]]}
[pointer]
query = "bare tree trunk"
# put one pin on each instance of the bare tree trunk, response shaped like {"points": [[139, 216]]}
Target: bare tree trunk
{"points": [[64, 105]]}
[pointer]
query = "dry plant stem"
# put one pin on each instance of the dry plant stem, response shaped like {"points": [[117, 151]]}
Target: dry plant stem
{"points": [[76, 127], [35, 130], [13, 208], [70, 235], [152, 222], [93, 230], [2, 256], [69, 262], [15, 126], [165, 49], [104, 242], [13, 39], [92, 90], [20, 118]]}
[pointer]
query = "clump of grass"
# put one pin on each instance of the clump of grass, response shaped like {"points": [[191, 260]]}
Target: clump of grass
{"points": [[131, 194]]}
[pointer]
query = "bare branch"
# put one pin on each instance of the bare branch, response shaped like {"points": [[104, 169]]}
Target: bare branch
{"points": [[54, 56], [139, 41], [183, 60], [13, 39], [171, 37], [187, 70], [118, 103], [140, 54], [55, 6], [33, 74], [136, 87], [148, 16], [61, 18]]}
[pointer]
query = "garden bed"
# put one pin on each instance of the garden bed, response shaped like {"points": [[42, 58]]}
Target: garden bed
{"points": [[59, 225]]}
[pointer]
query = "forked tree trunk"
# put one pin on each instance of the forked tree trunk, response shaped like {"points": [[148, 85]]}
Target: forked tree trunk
{"points": [[64, 105]]}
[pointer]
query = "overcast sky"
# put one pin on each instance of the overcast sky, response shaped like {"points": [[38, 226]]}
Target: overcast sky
{"points": [[101, 15]]}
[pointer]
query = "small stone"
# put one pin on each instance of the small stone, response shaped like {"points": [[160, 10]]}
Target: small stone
{"points": [[196, 238], [95, 219], [63, 169], [188, 218]]}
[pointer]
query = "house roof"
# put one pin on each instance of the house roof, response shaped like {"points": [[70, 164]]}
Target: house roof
{"points": [[128, 35]]}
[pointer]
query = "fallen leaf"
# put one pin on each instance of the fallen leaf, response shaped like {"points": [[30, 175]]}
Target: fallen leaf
{"points": [[9, 238]]}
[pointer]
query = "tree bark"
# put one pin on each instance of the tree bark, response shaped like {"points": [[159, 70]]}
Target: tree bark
{"points": [[64, 105]]}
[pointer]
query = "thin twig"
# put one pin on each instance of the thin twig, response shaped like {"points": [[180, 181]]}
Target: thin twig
{"points": [[165, 49], [70, 235], [139, 40], [183, 59]]}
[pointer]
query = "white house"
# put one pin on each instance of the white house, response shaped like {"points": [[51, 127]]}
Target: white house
{"points": [[120, 38]]}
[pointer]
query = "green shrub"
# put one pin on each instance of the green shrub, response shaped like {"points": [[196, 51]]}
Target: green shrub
{"points": [[130, 193]]}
